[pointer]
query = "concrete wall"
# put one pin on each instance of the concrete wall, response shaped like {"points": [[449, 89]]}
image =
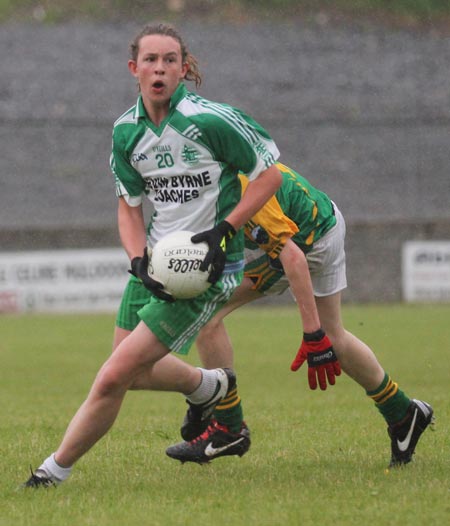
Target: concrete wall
{"points": [[362, 113]]}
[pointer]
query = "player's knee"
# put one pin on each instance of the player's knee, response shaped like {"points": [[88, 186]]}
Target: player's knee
{"points": [[208, 331], [109, 381], [338, 339]]}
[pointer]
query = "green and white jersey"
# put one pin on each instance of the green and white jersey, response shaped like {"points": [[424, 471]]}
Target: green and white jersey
{"points": [[188, 165]]}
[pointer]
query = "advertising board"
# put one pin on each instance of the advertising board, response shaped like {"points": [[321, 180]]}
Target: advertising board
{"points": [[89, 280]]}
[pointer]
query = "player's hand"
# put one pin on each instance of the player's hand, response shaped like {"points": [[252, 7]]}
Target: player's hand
{"points": [[139, 269], [323, 364], [217, 239]]}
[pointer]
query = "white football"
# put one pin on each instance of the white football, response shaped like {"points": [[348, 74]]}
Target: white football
{"points": [[175, 261]]}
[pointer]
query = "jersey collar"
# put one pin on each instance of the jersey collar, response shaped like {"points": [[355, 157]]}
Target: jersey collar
{"points": [[179, 94]]}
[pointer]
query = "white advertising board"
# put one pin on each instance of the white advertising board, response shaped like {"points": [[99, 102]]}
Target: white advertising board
{"points": [[90, 280], [426, 271]]}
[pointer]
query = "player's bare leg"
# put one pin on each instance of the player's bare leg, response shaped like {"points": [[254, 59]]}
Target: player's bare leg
{"points": [[167, 374], [355, 357], [226, 433], [406, 418], [136, 353], [213, 343]]}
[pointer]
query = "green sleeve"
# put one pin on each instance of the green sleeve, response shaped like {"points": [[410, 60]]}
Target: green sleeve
{"points": [[126, 177], [238, 141]]}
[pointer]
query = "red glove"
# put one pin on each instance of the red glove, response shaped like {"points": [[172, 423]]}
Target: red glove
{"points": [[316, 348]]}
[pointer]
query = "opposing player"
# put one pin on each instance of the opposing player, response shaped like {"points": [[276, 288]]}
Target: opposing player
{"points": [[184, 153], [297, 240]]}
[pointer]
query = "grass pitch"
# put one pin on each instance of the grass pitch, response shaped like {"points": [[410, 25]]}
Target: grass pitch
{"points": [[316, 457]]}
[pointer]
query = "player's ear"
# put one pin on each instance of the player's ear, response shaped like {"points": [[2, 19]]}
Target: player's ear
{"points": [[132, 67], [184, 70]]}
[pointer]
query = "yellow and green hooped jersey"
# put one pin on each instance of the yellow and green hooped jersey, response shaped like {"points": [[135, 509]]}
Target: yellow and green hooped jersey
{"points": [[298, 211]]}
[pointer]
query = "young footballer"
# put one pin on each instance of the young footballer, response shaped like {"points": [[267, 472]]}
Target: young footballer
{"points": [[184, 153], [297, 240]]}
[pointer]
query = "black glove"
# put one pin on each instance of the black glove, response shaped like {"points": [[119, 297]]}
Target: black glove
{"points": [[139, 269], [217, 239]]}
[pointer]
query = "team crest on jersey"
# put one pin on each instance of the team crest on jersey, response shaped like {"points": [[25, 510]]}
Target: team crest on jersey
{"points": [[190, 155], [264, 152]]}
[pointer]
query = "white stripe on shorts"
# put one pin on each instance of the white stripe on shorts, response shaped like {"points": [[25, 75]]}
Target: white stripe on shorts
{"points": [[229, 285]]}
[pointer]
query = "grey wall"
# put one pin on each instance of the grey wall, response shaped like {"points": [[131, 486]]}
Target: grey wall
{"points": [[362, 113]]}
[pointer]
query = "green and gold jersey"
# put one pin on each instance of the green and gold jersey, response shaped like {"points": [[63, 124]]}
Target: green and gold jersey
{"points": [[297, 211], [188, 166]]}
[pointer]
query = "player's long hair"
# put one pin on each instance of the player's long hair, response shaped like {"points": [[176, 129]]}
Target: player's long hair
{"points": [[167, 30]]}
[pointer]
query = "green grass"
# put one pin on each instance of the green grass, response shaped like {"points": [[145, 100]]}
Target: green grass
{"points": [[316, 457]]}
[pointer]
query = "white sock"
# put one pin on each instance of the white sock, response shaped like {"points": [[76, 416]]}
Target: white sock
{"points": [[207, 388], [52, 470]]}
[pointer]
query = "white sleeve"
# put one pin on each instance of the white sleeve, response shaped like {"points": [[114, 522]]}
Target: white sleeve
{"points": [[122, 192]]}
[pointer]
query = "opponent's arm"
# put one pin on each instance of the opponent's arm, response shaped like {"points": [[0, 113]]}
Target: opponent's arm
{"points": [[316, 348], [296, 269]]}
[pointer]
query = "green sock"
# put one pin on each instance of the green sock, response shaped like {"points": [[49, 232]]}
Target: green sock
{"points": [[390, 400], [229, 412]]}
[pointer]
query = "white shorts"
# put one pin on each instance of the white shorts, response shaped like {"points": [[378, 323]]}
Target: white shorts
{"points": [[326, 262]]}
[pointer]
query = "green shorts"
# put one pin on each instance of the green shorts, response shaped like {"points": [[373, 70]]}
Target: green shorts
{"points": [[176, 324], [134, 298], [266, 278]]}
